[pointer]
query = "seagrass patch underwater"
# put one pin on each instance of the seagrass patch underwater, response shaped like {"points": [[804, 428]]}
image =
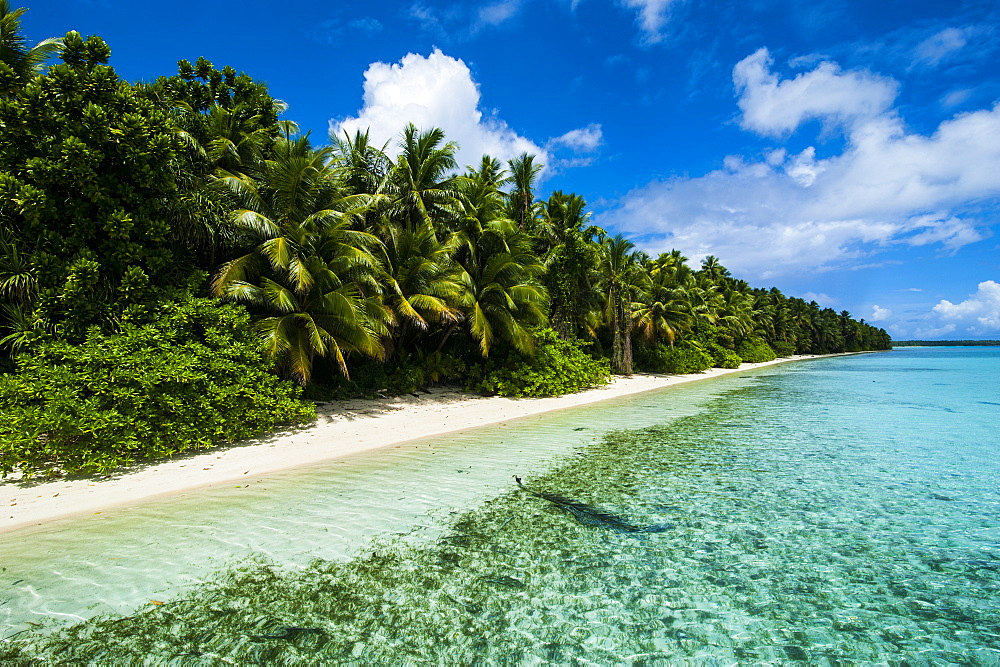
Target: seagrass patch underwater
{"points": [[841, 510]]}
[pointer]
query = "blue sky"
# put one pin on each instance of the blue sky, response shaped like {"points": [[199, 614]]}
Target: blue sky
{"points": [[847, 151]]}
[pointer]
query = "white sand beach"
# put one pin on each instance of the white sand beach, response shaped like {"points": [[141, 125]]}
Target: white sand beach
{"points": [[343, 428]]}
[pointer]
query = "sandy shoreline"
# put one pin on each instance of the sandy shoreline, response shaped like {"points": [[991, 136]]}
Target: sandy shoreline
{"points": [[342, 428]]}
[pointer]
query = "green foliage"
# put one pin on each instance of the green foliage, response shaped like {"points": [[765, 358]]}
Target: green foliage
{"points": [[189, 380], [201, 86], [557, 367], [112, 195], [686, 357], [18, 61], [722, 357], [783, 348], [86, 171], [754, 350], [370, 378], [440, 367]]}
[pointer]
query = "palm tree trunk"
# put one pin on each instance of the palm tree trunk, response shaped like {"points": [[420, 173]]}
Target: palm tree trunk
{"points": [[621, 347], [447, 333]]}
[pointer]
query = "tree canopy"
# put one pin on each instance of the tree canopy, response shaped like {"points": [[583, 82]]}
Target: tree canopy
{"points": [[358, 269]]}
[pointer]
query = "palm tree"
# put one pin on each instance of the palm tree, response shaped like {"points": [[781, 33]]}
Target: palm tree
{"points": [[802, 314], [310, 278], [503, 296], [16, 57], [664, 310], [422, 283], [236, 138], [480, 198], [622, 277], [423, 188], [521, 201], [736, 312], [570, 253], [711, 267], [364, 169]]}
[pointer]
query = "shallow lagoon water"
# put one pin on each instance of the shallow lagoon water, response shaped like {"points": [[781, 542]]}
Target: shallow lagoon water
{"points": [[117, 559], [836, 510]]}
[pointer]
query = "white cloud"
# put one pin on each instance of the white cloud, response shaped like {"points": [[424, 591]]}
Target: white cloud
{"points": [[773, 107], [956, 97], [933, 333], [652, 16], [784, 213], [879, 314], [499, 12], [582, 140], [940, 46], [367, 25], [979, 314], [803, 167], [433, 91]]}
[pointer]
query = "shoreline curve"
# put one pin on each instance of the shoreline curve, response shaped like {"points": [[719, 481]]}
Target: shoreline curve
{"points": [[342, 428]]}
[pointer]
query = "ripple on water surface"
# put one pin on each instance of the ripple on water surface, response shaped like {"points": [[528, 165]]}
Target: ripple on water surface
{"points": [[122, 558], [807, 515]]}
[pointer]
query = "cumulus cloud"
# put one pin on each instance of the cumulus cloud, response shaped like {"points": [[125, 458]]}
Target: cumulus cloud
{"points": [[652, 16], [433, 91], [879, 314], [785, 213], [978, 315], [773, 107], [803, 168], [582, 140]]}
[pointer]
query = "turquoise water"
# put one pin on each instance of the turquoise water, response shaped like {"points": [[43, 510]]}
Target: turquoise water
{"points": [[836, 510]]}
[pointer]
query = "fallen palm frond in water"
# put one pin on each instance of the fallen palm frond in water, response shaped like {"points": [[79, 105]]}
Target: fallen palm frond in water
{"points": [[590, 515]]}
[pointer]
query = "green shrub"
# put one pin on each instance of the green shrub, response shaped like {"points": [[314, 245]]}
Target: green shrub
{"points": [[557, 367], [723, 357], [754, 350], [783, 348], [440, 367], [647, 359], [193, 378], [371, 378], [685, 357]]}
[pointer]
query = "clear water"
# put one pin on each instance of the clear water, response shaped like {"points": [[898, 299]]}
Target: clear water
{"points": [[113, 561], [838, 510]]}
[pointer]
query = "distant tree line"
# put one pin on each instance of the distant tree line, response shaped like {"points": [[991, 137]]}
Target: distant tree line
{"points": [[945, 343], [166, 239]]}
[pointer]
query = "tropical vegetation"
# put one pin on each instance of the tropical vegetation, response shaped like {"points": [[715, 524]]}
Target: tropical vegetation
{"points": [[178, 265]]}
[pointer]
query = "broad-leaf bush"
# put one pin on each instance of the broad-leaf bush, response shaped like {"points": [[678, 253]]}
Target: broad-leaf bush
{"points": [[723, 357], [192, 378], [782, 348], [754, 350], [558, 366], [687, 357]]}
